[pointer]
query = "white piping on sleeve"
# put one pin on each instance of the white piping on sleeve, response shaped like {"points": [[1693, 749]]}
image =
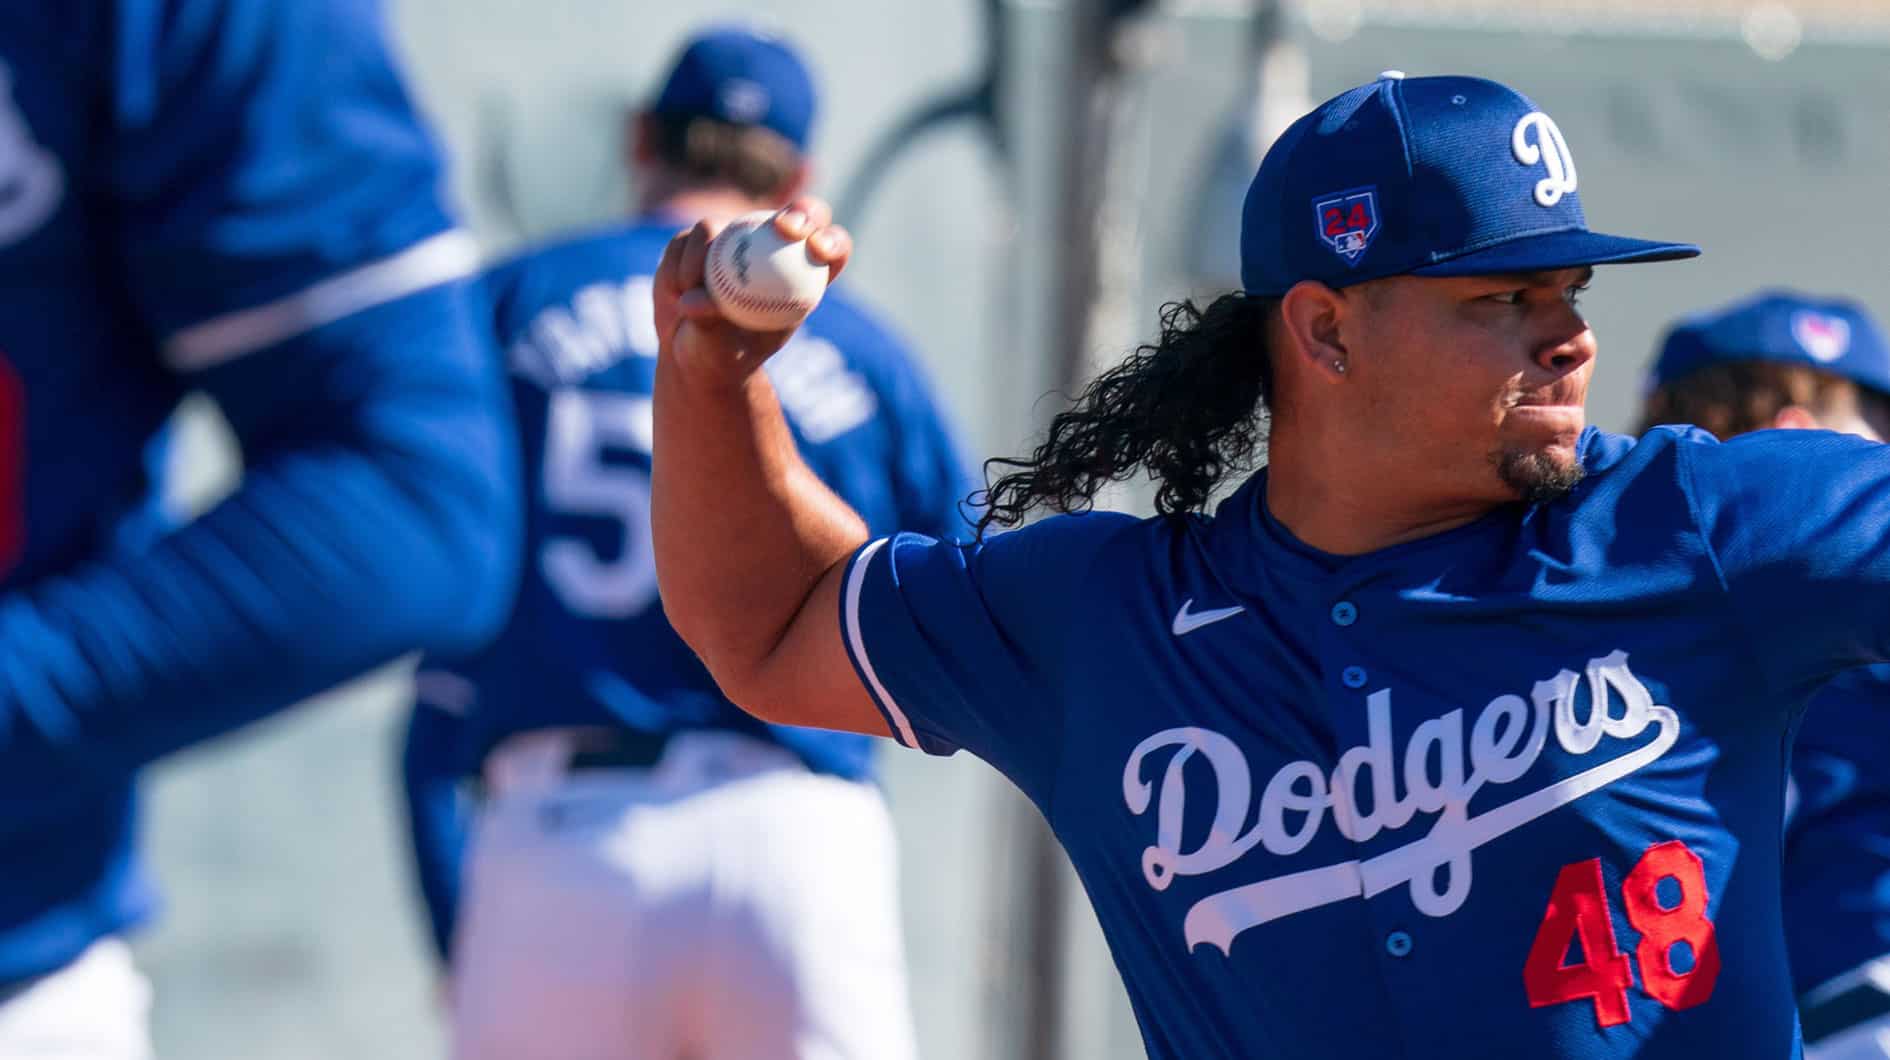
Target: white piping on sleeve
{"points": [[438, 259], [856, 644]]}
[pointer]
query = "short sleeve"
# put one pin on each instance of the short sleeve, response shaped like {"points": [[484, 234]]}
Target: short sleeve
{"points": [[1799, 524], [961, 645], [269, 173]]}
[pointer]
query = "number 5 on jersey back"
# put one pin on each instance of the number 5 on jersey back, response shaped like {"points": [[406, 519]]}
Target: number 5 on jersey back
{"points": [[580, 426]]}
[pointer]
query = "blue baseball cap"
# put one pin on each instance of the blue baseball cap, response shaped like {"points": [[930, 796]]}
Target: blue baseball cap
{"points": [[1436, 176], [1830, 334], [743, 77]]}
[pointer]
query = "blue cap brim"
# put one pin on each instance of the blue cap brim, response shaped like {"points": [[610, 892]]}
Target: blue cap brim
{"points": [[1557, 250]]}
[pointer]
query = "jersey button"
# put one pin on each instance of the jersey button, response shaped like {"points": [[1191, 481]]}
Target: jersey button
{"points": [[1398, 944], [1343, 613], [1353, 676]]}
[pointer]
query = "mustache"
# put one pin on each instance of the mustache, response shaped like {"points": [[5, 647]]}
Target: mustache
{"points": [[1561, 392]]}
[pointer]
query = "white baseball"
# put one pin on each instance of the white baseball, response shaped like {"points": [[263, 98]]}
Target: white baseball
{"points": [[759, 280]]}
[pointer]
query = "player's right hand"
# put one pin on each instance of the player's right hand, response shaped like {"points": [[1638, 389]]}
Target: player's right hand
{"points": [[691, 330]]}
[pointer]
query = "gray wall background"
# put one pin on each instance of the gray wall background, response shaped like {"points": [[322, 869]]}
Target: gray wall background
{"points": [[291, 931]]}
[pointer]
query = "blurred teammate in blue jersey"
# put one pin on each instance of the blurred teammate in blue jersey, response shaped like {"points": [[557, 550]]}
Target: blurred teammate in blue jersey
{"points": [[653, 873], [232, 196], [1783, 360]]}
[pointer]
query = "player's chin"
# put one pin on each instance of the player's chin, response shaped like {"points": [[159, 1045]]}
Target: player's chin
{"points": [[1541, 473]]}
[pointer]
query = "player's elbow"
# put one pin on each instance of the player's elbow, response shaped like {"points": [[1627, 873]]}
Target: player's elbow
{"points": [[729, 663], [758, 696], [736, 665], [773, 686]]}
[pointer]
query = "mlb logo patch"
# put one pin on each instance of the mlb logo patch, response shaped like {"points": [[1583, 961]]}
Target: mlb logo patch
{"points": [[1824, 337], [1347, 221]]}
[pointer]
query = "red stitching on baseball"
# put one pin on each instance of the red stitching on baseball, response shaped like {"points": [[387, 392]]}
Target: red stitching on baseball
{"points": [[726, 287]]}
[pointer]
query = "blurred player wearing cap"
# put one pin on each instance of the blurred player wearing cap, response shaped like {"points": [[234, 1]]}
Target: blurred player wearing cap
{"points": [[1783, 360], [655, 874], [232, 196], [1458, 730]]}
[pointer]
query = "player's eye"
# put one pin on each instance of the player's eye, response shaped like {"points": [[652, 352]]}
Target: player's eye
{"points": [[1515, 297], [1573, 294]]}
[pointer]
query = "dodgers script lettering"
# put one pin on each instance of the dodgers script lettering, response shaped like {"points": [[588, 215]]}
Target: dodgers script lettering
{"points": [[1441, 770]]}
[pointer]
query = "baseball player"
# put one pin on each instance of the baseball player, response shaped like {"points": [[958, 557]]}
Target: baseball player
{"points": [[1458, 730], [232, 196], [653, 873], [1782, 360]]}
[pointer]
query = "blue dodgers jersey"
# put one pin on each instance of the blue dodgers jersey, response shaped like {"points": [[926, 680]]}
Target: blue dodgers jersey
{"points": [[588, 643], [1512, 790], [190, 190], [1837, 833]]}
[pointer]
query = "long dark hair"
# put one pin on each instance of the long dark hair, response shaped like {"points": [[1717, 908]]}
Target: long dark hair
{"points": [[1188, 409]]}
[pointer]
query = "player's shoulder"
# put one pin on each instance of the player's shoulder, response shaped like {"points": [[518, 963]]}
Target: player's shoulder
{"points": [[197, 59], [147, 26], [595, 284], [615, 249], [1758, 464], [1750, 496], [1604, 453], [1062, 548], [1687, 443], [1624, 468]]}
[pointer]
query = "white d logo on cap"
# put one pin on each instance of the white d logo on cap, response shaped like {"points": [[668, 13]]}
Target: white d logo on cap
{"points": [[744, 102], [1550, 150]]}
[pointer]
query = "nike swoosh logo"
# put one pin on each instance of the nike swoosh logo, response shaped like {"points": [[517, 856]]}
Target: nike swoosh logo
{"points": [[1187, 621]]}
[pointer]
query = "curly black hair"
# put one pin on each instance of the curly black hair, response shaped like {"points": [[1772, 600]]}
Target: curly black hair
{"points": [[1188, 409]]}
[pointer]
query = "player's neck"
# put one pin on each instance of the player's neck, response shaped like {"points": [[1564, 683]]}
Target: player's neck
{"points": [[1333, 502], [687, 205]]}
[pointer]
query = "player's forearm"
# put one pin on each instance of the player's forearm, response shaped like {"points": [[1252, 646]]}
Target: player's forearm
{"points": [[377, 514], [743, 530], [315, 570]]}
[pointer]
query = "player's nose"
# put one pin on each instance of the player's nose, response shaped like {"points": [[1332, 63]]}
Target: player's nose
{"points": [[1567, 351]]}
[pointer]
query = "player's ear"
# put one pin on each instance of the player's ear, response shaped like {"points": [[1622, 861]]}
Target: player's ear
{"points": [[1795, 418], [1310, 318], [639, 139]]}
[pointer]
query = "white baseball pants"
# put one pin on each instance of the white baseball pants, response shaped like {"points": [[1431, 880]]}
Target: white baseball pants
{"points": [[96, 1008], [724, 904]]}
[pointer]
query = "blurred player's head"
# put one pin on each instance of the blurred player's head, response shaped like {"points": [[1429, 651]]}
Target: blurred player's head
{"points": [[1774, 360], [1411, 252], [728, 130]]}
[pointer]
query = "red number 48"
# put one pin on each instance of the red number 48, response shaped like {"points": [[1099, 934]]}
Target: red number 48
{"points": [[1578, 912]]}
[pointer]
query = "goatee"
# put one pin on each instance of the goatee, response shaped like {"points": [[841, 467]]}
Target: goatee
{"points": [[1536, 476]]}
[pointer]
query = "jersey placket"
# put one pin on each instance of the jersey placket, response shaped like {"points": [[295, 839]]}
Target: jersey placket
{"points": [[1388, 922]]}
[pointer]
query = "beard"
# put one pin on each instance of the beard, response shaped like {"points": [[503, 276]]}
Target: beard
{"points": [[1537, 476]]}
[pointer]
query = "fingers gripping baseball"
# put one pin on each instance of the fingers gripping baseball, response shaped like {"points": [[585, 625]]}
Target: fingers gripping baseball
{"points": [[730, 293]]}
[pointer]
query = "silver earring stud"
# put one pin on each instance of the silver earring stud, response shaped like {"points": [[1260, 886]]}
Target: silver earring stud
{"points": [[1339, 367]]}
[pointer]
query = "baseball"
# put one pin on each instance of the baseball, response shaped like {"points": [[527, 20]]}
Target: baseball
{"points": [[759, 280]]}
